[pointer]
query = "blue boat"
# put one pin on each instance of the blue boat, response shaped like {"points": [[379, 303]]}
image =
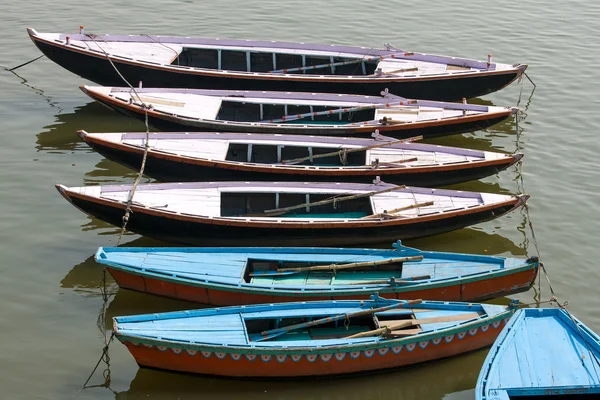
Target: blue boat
{"points": [[542, 352], [249, 275], [314, 338]]}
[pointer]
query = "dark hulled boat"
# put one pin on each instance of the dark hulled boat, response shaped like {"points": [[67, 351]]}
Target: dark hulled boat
{"points": [[184, 62], [297, 112], [284, 213], [196, 156]]}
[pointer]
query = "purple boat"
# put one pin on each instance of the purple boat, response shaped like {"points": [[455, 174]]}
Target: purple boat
{"points": [[185, 62]]}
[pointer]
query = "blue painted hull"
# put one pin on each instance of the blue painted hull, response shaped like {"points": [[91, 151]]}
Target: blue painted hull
{"points": [[542, 352], [228, 276]]}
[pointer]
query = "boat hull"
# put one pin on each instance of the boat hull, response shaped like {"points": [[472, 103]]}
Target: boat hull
{"points": [[98, 69], [479, 290], [316, 363], [197, 231], [428, 129], [165, 167]]}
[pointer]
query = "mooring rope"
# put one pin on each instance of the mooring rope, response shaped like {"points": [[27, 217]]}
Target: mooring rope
{"points": [[104, 357], [24, 64], [126, 216], [164, 45], [128, 210]]}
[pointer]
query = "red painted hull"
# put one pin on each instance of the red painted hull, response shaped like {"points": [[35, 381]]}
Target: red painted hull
{"points": [[472, 291], [288, 364]]}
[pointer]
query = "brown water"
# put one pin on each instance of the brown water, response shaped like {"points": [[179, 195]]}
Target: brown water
{"points": [[50, 340]]}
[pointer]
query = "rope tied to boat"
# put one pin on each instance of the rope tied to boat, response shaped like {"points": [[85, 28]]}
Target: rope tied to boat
{"points": [[24, 64], [106, 374], [164, 45], [343, 156], [145, 107]]}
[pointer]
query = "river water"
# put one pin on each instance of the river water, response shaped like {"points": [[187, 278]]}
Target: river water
{"points": [[51, 302]]}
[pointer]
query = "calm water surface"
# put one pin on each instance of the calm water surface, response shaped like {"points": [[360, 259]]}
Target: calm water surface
{"points": [[50, 337]]}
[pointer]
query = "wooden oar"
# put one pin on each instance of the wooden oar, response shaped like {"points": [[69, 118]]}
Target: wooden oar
{"points": [[318, 66], [392, 281], [279, 211], [270, 334], [335, 267], [394, 163], [396, 71], [388, 329], [343, 110], [334, 153], [400, 209]]}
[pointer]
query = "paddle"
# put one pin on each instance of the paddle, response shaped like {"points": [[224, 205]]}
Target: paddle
{"points": [[393, 281], [334, 153], [273, 333], [399, 209], [334, 267], [279, 211]]}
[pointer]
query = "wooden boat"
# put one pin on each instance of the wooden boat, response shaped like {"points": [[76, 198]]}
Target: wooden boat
{"points": [[309, 338], [297, 112], [542, 352], [296, 213], [185, 62], [248, 275], [236, 156]]}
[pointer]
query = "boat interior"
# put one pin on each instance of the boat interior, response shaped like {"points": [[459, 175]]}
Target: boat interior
{"points": [[402, 322], [238, 111], [275, 154], [270, 61], [248, 204]]}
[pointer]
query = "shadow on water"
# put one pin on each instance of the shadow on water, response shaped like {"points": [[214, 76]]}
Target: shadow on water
{"points": [[61, 135], [429, 381], [88, 274], [51, 102]]}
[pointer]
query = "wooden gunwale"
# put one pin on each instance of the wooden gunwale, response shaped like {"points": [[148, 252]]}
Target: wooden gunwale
{"points": [[275, 77]]}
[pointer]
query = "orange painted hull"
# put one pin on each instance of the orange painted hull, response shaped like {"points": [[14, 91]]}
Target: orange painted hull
{"points": [[289, 364], [471, 291]]}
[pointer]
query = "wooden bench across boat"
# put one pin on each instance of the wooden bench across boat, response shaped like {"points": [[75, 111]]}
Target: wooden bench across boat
{"points": [[195, 156]]}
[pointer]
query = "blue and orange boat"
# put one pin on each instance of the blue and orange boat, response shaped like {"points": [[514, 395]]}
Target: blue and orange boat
{"points": [[542, 352], [309, 338], [249, 275]]}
